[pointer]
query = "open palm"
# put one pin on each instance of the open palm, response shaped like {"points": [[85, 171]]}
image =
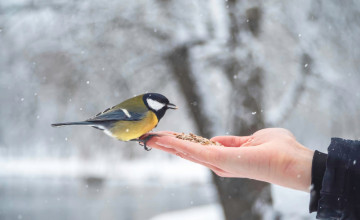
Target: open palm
{"points": [[272, 155]]}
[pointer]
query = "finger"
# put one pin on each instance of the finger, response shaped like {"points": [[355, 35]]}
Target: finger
{"points": [[153, 142], [163, 133], [217, 170], [251, 142], [165, 149], [212, 157], [168, 132], [156, 145], [223, 174], [232, 141], [205, 153]]}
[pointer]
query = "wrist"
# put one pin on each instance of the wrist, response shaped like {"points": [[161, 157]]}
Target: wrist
{"points": [[306, 162], [298, 169]]}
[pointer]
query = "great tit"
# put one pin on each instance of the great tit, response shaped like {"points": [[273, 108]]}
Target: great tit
{"points": [[131, 119]]}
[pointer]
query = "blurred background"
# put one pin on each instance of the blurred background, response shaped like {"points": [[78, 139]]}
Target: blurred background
{"points": [[233, 66]]}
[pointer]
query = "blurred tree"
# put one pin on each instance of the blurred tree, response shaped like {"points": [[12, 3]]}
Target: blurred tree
{"points": [[238, 196]]}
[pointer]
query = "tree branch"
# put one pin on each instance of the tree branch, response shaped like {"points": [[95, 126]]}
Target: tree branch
{"points": [[291, 98]]}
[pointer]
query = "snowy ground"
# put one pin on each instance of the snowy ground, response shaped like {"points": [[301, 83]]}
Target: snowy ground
{"points": [[169, 171], [208, 212], [289, 204]]}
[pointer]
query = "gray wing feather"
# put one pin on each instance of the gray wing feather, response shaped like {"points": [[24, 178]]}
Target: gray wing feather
{"points": [[118, 115]]}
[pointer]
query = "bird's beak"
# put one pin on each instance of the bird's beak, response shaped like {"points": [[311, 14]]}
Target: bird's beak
{"points": [[171, 106]]}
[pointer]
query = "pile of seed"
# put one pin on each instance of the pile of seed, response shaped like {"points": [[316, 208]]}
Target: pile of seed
{"points": [[196, 139]]}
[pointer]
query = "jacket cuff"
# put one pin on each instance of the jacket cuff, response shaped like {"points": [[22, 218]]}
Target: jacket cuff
{"points": [[317, 175]]}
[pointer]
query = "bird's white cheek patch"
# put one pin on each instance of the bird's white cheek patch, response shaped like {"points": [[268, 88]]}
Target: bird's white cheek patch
{"points": [[155, 104]]}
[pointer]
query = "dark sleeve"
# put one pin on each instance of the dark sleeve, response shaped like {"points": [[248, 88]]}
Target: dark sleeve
{"points": [[340, 189], [317, 175]]}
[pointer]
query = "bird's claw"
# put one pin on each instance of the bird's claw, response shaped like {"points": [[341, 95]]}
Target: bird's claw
{"points": [[144, 139]]}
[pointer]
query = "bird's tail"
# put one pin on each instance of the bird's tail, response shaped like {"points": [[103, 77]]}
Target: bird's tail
{"points": [[73, 123]]}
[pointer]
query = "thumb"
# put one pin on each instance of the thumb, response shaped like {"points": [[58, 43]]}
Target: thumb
{"points": [[231, 141]]}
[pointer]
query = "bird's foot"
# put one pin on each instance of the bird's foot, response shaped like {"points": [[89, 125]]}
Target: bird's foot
{"points": [[144, 139]]}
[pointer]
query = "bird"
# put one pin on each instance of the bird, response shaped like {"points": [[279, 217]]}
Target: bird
{"points": [[130, 120]]}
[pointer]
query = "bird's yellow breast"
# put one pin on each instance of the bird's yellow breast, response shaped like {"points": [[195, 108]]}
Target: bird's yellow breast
{"points": [[128, 130]]}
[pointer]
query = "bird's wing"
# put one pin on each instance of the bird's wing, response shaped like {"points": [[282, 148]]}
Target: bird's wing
{"points": [[118, 115], [132, 109]]}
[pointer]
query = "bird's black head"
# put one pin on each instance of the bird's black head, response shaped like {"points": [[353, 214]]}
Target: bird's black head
{"points": [[158, 104]]}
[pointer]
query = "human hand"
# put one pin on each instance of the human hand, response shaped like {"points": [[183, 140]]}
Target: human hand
{"points": [[272, 155]]}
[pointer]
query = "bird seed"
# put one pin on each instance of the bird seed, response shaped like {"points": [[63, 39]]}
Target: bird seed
{"points": [[196, 139]]}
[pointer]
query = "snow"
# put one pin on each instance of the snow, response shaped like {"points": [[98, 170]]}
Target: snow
{"points": [[292, 204], [66, 44], [207, 212], [135, 171]]}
